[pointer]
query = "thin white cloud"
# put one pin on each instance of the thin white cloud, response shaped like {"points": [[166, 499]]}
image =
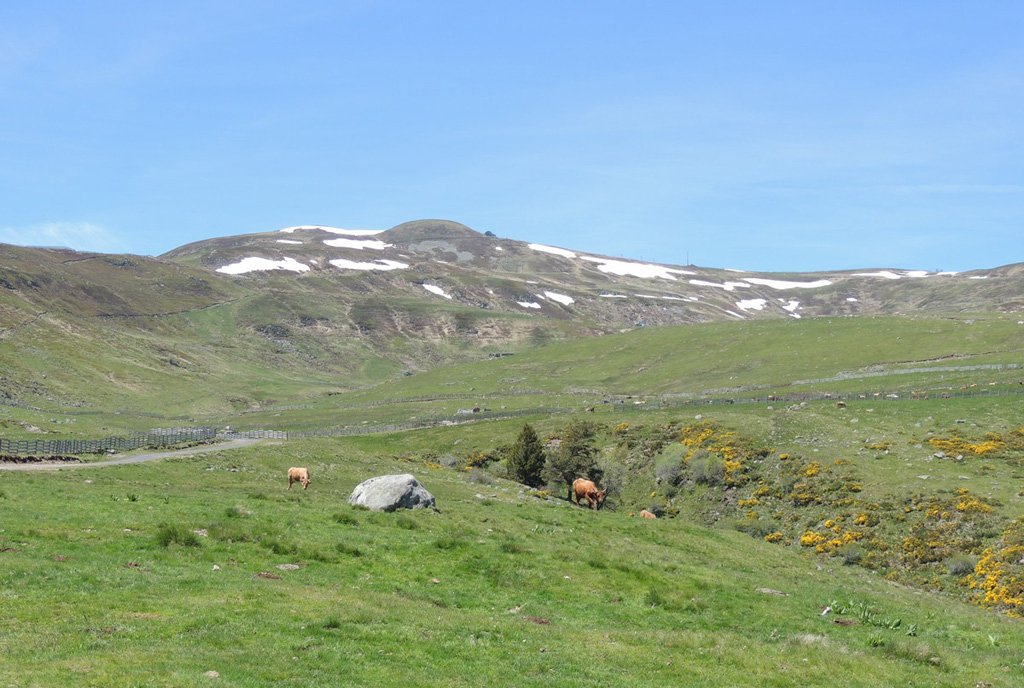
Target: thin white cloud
{"points": [[81, 236]]}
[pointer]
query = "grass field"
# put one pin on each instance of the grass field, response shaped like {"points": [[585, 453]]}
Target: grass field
{"points": [[108, 578], [878, 509]]}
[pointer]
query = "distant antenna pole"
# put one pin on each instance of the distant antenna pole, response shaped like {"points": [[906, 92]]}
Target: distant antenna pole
{"points": [[687, 257]]}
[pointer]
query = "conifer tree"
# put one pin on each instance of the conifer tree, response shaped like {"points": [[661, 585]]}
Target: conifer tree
{"points": [[526, 459]]}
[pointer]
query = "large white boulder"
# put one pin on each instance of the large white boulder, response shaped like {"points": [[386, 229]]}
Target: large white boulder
{"points": [[390, 492]]}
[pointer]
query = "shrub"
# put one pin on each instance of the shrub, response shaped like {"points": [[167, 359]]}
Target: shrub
{"points": [[479, 459], [709, 470], [998, 578], [671, 465], [480, 476], [851, 554], [347, 549], [961, 565], [757, 528]]}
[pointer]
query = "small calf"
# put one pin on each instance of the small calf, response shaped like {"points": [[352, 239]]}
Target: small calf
{"points": [[298, 475], [647, 514]]}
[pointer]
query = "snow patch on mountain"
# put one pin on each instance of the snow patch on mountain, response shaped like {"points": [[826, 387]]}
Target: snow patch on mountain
{"points": [[528, 304], [551, 249], [334, 230], [642, 270], [752, 304], [254, 264], [688, 299], [784, 284], [728, 286], [379, 264], [434, 289], [891, 275], [560, 298], [289, 241], [360, 244]]}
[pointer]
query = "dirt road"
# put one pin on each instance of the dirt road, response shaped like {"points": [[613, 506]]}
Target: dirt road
{"points": [[136, 458]]}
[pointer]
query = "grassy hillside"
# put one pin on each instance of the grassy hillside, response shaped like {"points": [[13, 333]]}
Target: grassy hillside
{"points": [[884, 509], [157, 574]]}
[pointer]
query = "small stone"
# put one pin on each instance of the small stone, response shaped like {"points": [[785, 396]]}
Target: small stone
{"points": [[216, 568]]}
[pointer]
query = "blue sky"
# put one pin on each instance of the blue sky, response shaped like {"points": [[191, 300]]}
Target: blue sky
{"points": [[775, 136]]}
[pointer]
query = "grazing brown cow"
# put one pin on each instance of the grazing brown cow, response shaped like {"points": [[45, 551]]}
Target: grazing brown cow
{"points": [[582, 488], [298, 475], [647, 514]]}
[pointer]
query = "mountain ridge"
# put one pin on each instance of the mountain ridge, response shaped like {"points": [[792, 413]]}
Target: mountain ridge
{"points": [[349, 308]]}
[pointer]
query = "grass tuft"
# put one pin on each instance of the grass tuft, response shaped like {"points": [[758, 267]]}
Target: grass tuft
{"points": [[168, 535], [238, 511], [345, 518]]}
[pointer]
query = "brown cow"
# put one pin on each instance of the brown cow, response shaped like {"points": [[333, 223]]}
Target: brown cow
{"points": [[582, 488], [647, 514], [298, 475]]}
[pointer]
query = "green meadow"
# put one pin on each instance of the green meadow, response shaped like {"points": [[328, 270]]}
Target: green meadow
{"points": [[801, 543], [155, 574]]}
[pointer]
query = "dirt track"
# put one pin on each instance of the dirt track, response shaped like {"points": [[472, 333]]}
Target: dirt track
{"points": [[136, 458]]}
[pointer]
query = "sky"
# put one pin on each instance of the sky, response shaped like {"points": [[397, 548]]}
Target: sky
{"points": [[769, 136]]}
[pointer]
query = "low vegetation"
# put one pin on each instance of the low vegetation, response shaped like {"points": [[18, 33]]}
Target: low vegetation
{"points": [[216, 567], [798, 539]]}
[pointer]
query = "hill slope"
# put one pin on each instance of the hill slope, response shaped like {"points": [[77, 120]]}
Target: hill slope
{"points": [[235, 322]]}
